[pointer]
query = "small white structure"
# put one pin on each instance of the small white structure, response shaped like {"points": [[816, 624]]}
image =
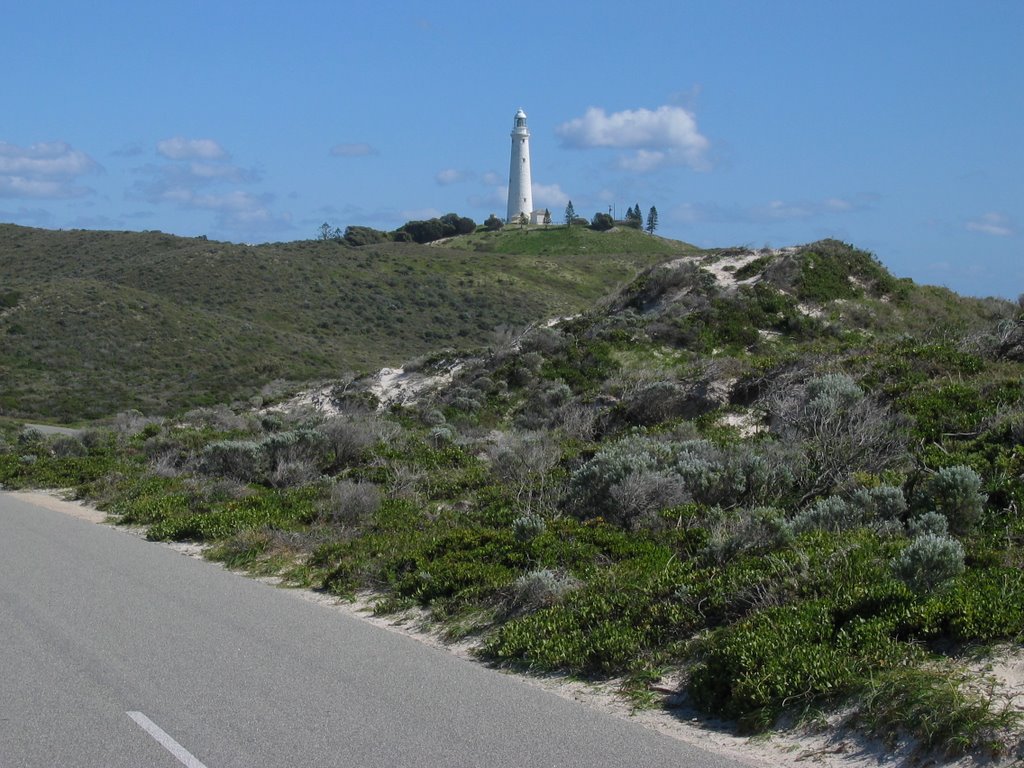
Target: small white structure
{"points": [[520, 188]]}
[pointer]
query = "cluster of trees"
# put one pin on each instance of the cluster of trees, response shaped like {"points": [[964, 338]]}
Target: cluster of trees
{"points": [[449, 225], [604, 221], [635, 219]]}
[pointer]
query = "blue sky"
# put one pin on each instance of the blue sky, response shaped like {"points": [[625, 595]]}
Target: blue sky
{"points": [[894, 125]]}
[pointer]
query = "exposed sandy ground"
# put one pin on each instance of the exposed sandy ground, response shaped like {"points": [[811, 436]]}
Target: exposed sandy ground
{"points": [[825, 745], [54, 500]]}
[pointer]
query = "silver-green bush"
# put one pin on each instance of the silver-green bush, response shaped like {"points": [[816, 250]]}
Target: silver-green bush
{"points": [[928, 561], [956, 493]]}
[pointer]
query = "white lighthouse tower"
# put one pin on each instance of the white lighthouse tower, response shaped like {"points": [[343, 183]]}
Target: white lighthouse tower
{"points": [[520, 190]]}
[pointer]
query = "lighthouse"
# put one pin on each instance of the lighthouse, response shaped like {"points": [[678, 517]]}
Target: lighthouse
{"points": [[520, 191]]}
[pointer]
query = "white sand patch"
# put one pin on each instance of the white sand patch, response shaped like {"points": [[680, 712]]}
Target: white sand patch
{"points": [[391, 386], [809, 310], [58, 502], [396, 386], [746, 423], [724, 270], [318, 399], [1006, 666]]}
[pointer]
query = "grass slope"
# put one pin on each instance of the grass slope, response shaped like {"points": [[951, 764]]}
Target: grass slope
{"points": [[92, 323], [562, 240]]}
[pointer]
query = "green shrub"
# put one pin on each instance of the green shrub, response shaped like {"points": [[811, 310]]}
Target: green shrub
{"points": [[752, 268], [540, 588], [942, 708], [929, 560], [981, 605], [242, 460], [956, 493], [829, 514], [352, 503], [932, 523], [590, 486], [839, 429], [879, 508], [278, 509], [736, 532], [528, 527], [780, 657], [621, 615]]}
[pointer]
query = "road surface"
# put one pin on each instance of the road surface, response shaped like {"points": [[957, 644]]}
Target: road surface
{"points": [[119, 652]]}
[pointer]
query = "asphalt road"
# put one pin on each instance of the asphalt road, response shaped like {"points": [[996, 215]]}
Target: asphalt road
{"points": [[118, 652]]}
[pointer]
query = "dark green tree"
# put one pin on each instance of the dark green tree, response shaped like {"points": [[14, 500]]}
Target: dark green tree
{"points": [[570, 214], [364, 236], [547, 217], [457, 225], [523, 219], [493, 223], [602, 222], [424, 231], [652, 220]]}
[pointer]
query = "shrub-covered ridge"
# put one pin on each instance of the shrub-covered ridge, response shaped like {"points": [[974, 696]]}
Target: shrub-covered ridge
{"points": [[788, 489]]}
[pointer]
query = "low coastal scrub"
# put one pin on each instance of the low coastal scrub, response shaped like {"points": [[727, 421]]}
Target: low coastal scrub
{"points": [[794, 522]]}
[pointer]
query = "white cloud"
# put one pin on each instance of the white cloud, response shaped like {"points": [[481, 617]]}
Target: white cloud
{"points": [[548, 196], [667, 135], [492, 179], [643, 160], [220, 171], [494, 198], [198, 175], [450, 176], [992, 223], [43, 170], [419, 214], [838, 204], [353, 149], [185, 173], [773, 210], [781, 210], [180, 148]]}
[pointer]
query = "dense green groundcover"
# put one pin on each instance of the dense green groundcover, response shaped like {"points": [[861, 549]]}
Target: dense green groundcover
{"points": [[794, 511]]}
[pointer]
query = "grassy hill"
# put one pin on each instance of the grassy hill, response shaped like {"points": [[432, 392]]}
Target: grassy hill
{"points": [[561, 240], [92, 323]]}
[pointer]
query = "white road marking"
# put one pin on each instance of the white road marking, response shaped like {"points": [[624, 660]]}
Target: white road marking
{"points": [[184, 757]]}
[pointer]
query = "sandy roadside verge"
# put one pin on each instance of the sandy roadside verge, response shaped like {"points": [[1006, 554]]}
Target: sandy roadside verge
{"points": [[53, 500]]}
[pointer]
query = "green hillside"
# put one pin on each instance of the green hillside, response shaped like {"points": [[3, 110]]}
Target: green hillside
{"points": [[561, 240], [92, 323]]}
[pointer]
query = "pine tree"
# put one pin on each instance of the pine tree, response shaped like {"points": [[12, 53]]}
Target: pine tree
{"points": [[570, 214], [523, 220], [629, 213], [652, 220], [547, 217]]}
